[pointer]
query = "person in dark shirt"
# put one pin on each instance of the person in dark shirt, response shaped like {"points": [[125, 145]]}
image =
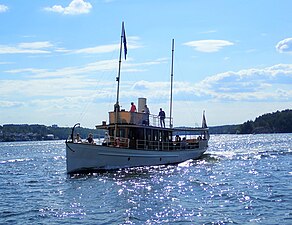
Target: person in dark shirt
{"points": [[90, 139], [162, 117], [146, 115]]}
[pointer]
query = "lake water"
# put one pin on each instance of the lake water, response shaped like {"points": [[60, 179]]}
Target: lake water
{"points": [[242, 179]]}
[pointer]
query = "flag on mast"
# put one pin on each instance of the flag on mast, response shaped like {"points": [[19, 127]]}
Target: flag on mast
{"points": [[204, 123], [124, 40]]}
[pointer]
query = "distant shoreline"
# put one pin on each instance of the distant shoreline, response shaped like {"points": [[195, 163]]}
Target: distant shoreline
{"points": [[276, 122]]}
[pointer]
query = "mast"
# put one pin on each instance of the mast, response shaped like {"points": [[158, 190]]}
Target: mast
{"points": [[171, 85], [120, 63], [117, 106]]}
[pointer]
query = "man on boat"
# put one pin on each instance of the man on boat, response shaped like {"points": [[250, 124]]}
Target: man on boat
{"points": [[184, 143], [77, 138], [133, 110], [162, 117], [133, 107], [146, 115], [90, 140], [106, 141]]}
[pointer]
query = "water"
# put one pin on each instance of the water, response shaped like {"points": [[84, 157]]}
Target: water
{"points": [[241, 180]]}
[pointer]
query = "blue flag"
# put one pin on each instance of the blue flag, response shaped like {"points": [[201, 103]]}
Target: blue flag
{"points": [[124, 40], [204, 123]]}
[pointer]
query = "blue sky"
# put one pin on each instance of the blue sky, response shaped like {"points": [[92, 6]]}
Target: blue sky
{"points": [[59, 59]]}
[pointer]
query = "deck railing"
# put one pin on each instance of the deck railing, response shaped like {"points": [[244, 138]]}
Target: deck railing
{"points": [[167, 145], [137, 118], [120, 142]]}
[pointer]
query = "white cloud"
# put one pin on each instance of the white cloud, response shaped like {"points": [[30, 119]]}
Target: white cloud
{"points": [[35, 45], [268, 84], [90, 68], [45, 47], [9, 104], [98, 49], [15, 50], [3, 8], [132, 43], [74, 8], [64, 89], [284, 45], [98, 66], [27, 48], [208, 45], [208, 32], [5, 63]]}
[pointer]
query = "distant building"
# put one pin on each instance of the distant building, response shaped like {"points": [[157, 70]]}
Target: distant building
{"points": [[49, 137]]}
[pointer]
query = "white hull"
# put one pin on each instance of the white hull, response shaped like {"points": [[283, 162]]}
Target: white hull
{"points": [[86, 157]]}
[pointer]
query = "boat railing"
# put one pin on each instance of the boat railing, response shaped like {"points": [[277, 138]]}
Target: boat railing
{"points": [[155, 121], [137, 118], [167, 145], [117, 142], [121, 142]]}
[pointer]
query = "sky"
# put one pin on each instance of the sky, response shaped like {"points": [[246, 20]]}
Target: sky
{"points": [[59, 59]]}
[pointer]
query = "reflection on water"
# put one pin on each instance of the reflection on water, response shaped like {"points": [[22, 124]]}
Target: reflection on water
{"points": [[241, 179]]}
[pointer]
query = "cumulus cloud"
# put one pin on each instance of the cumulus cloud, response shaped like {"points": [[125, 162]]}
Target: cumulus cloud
{"points": [[3, 8], [48, 90], [209, 45], [74, 8], [270, 83], [284, 45]]}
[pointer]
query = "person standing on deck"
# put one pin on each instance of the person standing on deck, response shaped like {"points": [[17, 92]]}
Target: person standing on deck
{"points": [[133, 107], [133, 111], [146, 115], [162, 117]]}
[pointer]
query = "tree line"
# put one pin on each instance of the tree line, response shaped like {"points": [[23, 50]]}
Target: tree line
{"points": [[37, 132], [276, 122]]}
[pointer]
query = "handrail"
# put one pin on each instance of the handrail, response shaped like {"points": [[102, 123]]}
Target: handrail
{"points": [[117, 142], [167, 145], [121, 142], [138, 118]]}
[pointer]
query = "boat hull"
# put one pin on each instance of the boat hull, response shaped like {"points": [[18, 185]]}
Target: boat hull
{"points": [[87, 157]]}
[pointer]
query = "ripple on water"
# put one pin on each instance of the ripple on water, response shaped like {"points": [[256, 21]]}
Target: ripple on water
{"points": [[241, 179]]}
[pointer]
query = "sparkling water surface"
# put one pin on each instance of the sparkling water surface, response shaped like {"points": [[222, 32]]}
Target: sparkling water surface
{"points": [[242, 179]]}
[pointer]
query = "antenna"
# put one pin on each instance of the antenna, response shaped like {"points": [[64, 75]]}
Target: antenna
{"points": [[171, 85]]}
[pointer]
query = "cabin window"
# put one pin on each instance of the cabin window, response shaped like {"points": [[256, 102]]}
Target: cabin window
{"points": [[169, 136], [148, 134], [140, 134], [155, 134], [130, 133], [122, 133]]}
